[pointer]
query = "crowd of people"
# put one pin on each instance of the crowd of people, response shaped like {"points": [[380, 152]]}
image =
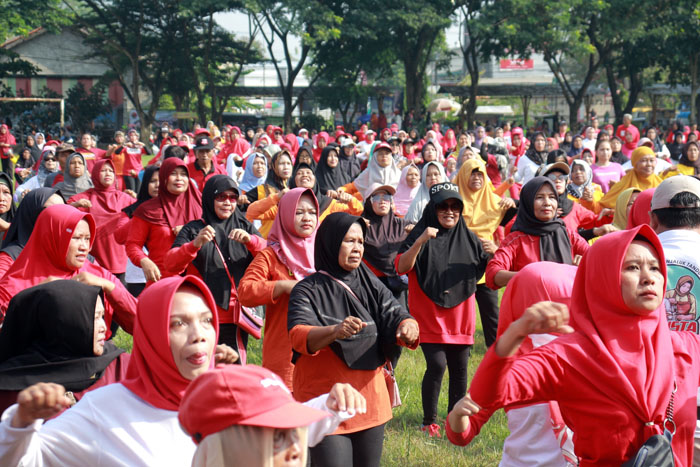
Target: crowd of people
{"points": [[340, 250]]}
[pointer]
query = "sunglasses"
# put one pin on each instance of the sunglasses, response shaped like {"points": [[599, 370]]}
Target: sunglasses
{"points": [[49, 159], [221, 197], [554, 177], [454, 207], [382, 197]]}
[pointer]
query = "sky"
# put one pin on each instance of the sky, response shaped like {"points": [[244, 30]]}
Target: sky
{"points": [[237, 23]]}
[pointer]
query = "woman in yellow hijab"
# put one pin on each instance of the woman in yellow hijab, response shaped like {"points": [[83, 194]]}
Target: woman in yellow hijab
{"points": [[483, 212], [622, 207], [641, 176]]}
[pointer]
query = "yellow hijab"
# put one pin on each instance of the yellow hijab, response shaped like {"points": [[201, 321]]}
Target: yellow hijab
{"points": [[620, 219], [482, 212], [632, 179]]}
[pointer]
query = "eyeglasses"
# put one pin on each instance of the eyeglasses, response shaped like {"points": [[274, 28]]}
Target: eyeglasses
{"points": [[554, 177], [454, 207], [221, 197], [49, 159], [381, 197]]}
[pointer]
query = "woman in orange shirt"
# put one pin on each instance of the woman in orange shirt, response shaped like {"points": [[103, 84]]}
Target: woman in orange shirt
{"points": [[344, 324], [275, 271]]}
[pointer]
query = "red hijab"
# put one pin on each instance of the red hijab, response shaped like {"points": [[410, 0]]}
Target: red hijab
{"points": [[107, 204], [45, 252], [317, 151], [518, 151], [152, 374], [639, 212], [536, 282], [169, 209], [629, 355], [293, 251]]}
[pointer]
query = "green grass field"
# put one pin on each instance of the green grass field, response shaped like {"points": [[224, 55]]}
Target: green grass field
{"points": [[405, 445]]}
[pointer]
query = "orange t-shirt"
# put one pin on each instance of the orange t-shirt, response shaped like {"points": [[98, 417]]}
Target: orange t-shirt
{"points": [[255, 288], [315, 374]]}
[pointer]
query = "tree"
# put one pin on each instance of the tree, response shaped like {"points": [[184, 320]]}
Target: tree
{"points": [[279, 22], [134, 38], [681, 54], [215, 58], [559, 31], [19, 18], [414, 29], [352, 63], [82, 107]]}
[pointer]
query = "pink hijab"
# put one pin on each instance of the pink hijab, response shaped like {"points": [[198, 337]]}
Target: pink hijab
{"points": [[405, 194], [293, 251]]}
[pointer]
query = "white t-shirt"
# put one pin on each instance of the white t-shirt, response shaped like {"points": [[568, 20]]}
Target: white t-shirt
{"points": [[682, 259], [112, 426]]}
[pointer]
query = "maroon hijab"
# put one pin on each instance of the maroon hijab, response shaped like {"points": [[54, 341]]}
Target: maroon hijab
{"points": [[169, 209]]}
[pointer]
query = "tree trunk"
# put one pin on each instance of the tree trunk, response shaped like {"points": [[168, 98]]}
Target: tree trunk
{"points": [[288, 109], [694, 62], [573, 109], [414, 85], [526, 110]]}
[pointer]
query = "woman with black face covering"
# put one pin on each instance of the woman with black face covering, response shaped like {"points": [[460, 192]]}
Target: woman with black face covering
{"points": [[343, 325], [444, 261], [219, 247], [55, 333]]}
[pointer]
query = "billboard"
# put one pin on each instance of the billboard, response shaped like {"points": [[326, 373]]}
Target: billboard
{"points": [[507, 64]]}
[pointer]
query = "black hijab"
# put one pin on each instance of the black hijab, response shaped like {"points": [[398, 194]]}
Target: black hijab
{"points": [[449, 265], [330, 178], [684, 157], [22, 226], [538, 158], [273, 179], [383, 239], [320, 300], [208, 261], [350, 164], [323, 200], [307, 148], [142, 195], [676, 149], [555, 244], [48, 336], [6, 180]]}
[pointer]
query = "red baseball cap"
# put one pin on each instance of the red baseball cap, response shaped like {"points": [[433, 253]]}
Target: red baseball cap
{"points": [[382, 145], [241, 395]]}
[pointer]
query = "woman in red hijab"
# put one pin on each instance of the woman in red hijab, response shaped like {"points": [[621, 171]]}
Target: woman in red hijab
{"points": [[639, 212], [58, 248], [614, 376], [105, 203], [7, 142], [531, 440], [157, 222], [322, 140]]}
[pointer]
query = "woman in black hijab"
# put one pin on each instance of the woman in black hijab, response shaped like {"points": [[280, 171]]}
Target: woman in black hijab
{"points": [[537, 152], [537, 235], [444, 261], [676, 147], [330, 175], [7, 201], [144, 194], [23, 224], [349, 162], [385, 233], [219, 247], [55, 333], [344, 324], [305, 156]]}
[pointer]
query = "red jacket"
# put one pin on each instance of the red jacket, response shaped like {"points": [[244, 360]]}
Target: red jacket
{"points": [[156, 238], [519, 249]]}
